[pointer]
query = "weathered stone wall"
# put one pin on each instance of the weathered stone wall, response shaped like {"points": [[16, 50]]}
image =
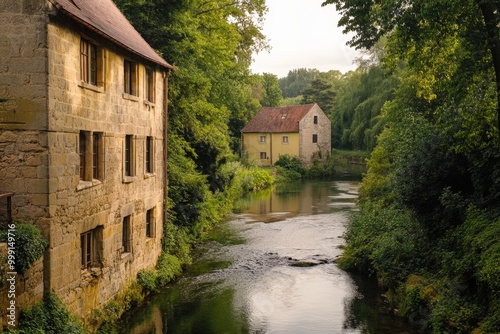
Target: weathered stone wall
{"points": [[78, 206], [43, 107], [323, 129], [23, 102]]}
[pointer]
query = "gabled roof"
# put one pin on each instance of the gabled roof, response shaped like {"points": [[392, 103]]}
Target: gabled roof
{"points": [[278, 119], [103, 17]]}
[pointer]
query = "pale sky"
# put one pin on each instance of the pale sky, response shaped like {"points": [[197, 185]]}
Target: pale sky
{"points": [[302, 34]]}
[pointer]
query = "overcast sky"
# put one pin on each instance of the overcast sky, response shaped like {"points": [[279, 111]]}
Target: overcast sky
{"points": [[302, 34]]}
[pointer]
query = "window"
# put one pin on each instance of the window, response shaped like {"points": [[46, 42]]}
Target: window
{"points": [[91, 152], [315, 138], [262, 139], [130, 78], [150, 84], [263, 155], [90, 248], [86, 242], [91, 63], [149, 223], [96, 140], [149, 155], [129, 160], [315, 119], [126, 244], [285, 140], [83, 154]]}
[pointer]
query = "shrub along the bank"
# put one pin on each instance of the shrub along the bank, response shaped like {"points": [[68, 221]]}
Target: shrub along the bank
{"points": [[429, 228], [291, 168], [49, 316]]}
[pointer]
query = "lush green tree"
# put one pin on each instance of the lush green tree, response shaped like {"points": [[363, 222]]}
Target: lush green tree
{"points": [[296, 81], [271, 92], [421, 31], [321, 92]]}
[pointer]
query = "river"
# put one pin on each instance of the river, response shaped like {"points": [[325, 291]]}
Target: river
{"points": [[271, 269]]}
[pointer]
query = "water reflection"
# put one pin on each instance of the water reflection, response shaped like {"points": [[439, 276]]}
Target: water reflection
{"points": [[244, 280], [291, 199]]}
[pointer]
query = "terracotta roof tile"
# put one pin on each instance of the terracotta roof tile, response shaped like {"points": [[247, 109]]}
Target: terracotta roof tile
{"points": [[278, 119], [106, 19]]}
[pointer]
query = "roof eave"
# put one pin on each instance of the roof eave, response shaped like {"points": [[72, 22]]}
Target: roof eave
{"points": [[102, 33]]}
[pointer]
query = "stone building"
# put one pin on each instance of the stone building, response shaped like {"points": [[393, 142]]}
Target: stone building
{"points": [[83, 112], [303, 131]]}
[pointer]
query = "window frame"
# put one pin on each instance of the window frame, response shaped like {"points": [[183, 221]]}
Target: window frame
{"points": [[87, 250], [263, 155], [91, 248], [130, 80], [262, 139], [150, 223], [91, 65], [129, 158], [126, 234], [315, 138], [149, 153], [91, 152], [150, 84], [83, 153], [315, 119], [284, 139]]}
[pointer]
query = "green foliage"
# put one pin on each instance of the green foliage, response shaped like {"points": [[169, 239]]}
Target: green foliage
{"points": [[296, 81], [29, 245], [168, 268], [252, 179], [291, 168], [147, 280], [49, 317], [321, 92], [272, 96], [357, 112], [291, 163], [383, 240]]}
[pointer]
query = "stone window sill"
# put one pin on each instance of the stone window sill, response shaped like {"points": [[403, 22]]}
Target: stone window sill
{"points": [[148, 175], [126, 256], [128, 179], [130, 97], [149, 104], [91, 87], [87, 184], [87, 275]]}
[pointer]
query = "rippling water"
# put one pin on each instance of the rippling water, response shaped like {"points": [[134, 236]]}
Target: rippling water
{"points": [[271, 269]]}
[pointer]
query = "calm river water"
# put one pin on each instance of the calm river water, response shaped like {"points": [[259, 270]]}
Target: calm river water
{"points": [[271, 269]]}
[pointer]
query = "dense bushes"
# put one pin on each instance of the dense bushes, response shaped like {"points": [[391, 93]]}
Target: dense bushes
{"points": [[49, 317], [428, 228], [291, 168], [29, 244]]}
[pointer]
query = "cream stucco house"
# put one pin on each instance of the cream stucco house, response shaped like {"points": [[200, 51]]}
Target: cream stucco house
{"points": [[303, 131], [83, 120]]}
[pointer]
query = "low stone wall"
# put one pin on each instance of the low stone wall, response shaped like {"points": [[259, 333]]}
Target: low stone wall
{"points": [[18, 291]]}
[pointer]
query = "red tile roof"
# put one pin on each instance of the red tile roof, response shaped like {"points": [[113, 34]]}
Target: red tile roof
{"points": [[103, 17], [278, 119]]}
